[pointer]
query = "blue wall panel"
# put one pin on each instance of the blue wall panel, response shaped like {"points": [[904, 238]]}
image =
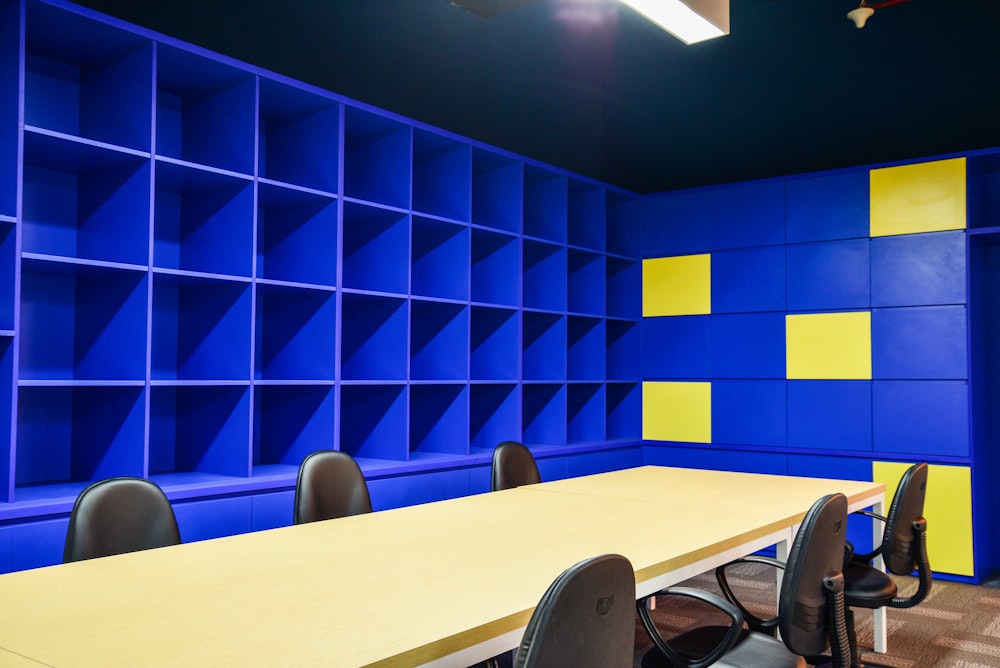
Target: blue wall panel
{"points": [[553, 468], [919, 269], [202, 520], [6, 534], [748, 346], [748, 280], [677, 455], [859, 527], [407, 490], [828, 207], [749, 462], [479, 479], [675, 224], [749, 412], [821, 466], [828, 414], [922, 417], [924, 342], [37, 544], [748, 215], [828, 275], [676, 346], [600, 462], [269, 511]]}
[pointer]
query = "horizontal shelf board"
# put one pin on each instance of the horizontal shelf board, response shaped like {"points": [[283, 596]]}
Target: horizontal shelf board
{"points": [[294, 383], [295, 284], [195, 485], [543, 311], [374, 293], [360, 383], [6, 332], [36, 501], [82, 143], [443, 219], [47, 500], [295, 188], [207, 169], [495, 230], [29, 382], [419, 462], [163, 382], [192, 277], [618, 256], [53, 263], [984, 231], [437, 300], [496, 305], [424, 382], [375, 205]]}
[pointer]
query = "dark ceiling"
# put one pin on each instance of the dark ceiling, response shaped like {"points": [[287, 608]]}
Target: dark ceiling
{"points": [[589, 86]]}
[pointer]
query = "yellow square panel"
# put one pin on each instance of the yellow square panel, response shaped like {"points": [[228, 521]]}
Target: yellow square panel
{"points": [[829, 346], [925, 197], [677, 411], [947, 508], [679, 285]]}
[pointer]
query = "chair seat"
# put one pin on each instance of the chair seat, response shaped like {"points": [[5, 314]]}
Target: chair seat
{"points": [[761, 650], [693, 644], [754, 650], [867, 587]]}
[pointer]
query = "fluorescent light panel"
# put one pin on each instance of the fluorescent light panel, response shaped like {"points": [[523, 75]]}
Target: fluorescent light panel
{"points": [[690, 21]]}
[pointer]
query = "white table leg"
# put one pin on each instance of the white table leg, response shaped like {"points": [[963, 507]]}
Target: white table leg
{"points": [[880, 617]]}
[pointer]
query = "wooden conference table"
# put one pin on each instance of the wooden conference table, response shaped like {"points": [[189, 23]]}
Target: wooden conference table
{"points": [[445, 584]]}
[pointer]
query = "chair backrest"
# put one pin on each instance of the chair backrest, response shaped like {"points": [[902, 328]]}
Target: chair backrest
{"points": [[585, 618], [899, 543], [119, 515], [330, 485], [513, 466], [816, 553]]}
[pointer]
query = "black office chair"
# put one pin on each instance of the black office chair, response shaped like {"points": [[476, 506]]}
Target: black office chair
{"points": [[513, 466], [903, 549], [119, 515], [811, 611], [584, 619], [330, 485]]}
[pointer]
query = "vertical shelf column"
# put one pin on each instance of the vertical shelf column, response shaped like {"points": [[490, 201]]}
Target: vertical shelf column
{"points": [[10, 47]]}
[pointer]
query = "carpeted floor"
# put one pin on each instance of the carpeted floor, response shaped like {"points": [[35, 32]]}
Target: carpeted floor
{"points": [[957, 626]]}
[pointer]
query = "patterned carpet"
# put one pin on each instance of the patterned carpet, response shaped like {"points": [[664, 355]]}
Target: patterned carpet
{"points": [[957, 626]]}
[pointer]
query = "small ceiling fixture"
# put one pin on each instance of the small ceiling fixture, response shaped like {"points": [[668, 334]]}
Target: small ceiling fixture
{"points": [[688, 20], [864, 11]]}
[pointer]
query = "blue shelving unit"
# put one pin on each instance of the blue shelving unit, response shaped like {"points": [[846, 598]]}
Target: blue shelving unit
{"points": [[208, 271]]}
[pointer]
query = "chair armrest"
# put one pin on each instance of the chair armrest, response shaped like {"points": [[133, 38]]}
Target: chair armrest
{"points": [[869, 513], [768, 626], [851, 554], [728, 642]]}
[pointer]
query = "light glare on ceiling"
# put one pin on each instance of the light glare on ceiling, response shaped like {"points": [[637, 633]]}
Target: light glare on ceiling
{"points": [[689, 20]]}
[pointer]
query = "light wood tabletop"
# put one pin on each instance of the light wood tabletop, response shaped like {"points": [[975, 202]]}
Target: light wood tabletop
{"points": [[446, 583]]}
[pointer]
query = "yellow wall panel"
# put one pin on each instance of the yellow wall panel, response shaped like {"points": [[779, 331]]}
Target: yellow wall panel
{"points": [[948, 509], [828, 346], [677, 411], [923, 197], [677, 285]]}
